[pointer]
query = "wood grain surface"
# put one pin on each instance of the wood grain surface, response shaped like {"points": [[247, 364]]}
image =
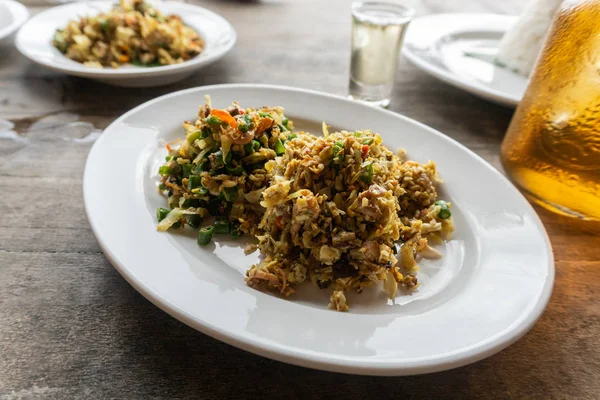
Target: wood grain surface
{"points": [[71, 327]]}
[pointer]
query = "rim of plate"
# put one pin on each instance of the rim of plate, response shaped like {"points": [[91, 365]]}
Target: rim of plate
{"points": [[79, 69], [20, 15], [447, 76], [312, 359]]}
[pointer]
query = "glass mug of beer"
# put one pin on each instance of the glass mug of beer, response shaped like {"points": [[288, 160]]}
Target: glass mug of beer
{"points": [[552, 147]]}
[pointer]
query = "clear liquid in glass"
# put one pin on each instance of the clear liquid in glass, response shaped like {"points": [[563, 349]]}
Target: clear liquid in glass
{"points": [[377, 34]]}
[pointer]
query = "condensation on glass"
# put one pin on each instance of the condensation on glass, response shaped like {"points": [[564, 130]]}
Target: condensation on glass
{"points": [[378, 30], [552, 147]]}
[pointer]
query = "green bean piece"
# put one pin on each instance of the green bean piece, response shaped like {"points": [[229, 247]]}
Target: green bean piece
{"points": [[192, 137], [285, 122], [248, 149], [194, 181], [279, 147], [368, 141], [205, 235], [235, 171], [222, 225], [292, 136], [161, 213], [231, 193], [367, 175], [212, 120], [165, 170], [282, 128], [195, 221], [229, 157], [264, 114]]}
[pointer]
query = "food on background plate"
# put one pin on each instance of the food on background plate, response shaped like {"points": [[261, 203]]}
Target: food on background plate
{"points": [[341, 211], [134, 32], [521, 45]]}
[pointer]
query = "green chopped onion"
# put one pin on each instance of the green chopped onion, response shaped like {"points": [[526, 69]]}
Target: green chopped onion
{"points": [[279, 147], [231, 193], [229, 157], [235, 171], [193, 136], [264, 114], [338, 152], [282, 128], [218, 163], [212, 120], [444, 209], [59, 41], [243, 128], [203, 166], [200, 190], [357, 133], [186, 170], [194, 181], [248, 149], [255, 144], [222, 225], [445, 213], [205, 235], [206, 132], [235, 230], [165, 170], [292, 136], [285, 121], [248, 119], [368, 141], [161, 213], [367, 175], [168, 158], [194, 221], [161, 186], [104, 25]]}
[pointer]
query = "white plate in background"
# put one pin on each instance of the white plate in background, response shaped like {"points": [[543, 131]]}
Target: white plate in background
{"points": [[12, 15], [490, 287], [34, 41], [459, 48]]}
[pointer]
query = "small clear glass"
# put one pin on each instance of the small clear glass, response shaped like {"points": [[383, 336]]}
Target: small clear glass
{"points": [[378, 30]]}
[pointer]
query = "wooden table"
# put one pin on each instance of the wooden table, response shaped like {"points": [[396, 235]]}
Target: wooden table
{"points": [[71, 327]]}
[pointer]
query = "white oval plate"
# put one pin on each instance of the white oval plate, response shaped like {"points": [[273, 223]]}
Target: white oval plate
{"points": [[34, 41], [12, 15], [490, 287], [442, 44]]}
